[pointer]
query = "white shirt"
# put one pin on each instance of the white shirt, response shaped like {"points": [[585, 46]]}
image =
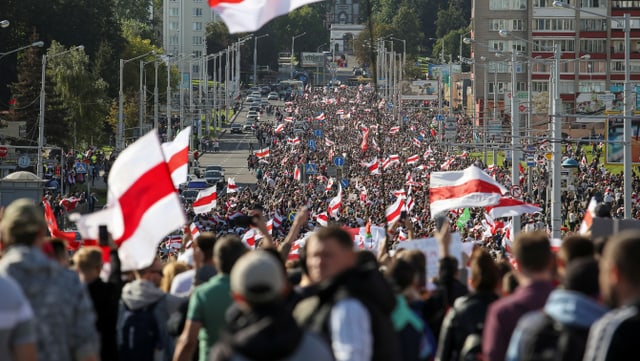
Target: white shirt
{"points": [[351, 335]]}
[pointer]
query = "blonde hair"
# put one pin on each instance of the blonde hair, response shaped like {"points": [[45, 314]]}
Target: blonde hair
{"points": [[88, 258], [169, 272]]}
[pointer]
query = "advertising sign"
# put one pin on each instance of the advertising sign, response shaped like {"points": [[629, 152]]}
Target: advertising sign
{"points": [[420, 90], [615, 141], [312, 60]]}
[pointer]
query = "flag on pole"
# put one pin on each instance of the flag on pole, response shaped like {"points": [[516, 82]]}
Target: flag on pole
{"points": [[279, 128], [296, 174], [176, 154], [511, 207], [231, 185], [393, 211], [467, 188], [322, 219], [373, 166], [394, 130], [245, 16], [320, 116], [262, 153], [335, 204], [587, 221], [413, 159], [195, 231], [206, 200]]}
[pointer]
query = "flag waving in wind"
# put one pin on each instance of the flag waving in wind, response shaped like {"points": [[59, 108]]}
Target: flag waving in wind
{"points": [[244, 16], [176, 154], [206, 200]]}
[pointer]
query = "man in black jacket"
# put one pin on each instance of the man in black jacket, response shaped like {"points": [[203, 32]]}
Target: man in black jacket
{"points": [[615, 335]]}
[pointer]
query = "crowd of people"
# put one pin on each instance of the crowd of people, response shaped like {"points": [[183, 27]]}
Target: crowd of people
{"points": [[299, 287]]}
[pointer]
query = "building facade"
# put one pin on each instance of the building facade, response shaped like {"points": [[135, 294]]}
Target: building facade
{"points": [[592, 53]]}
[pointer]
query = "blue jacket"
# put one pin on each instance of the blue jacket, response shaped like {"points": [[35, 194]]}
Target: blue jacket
{"points": [[567, 307]]}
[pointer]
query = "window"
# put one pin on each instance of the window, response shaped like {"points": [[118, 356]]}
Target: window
{"points": [[197, 26], [173, 25], [197, 53], [592, 66], [173, 40], [618, 66], [591, 86], [501, 87], [508, 45], [544, 68], [539, 86], [566, 45], [195, 68], [554, 24], [174, 11], [566, 87], [508, 4], [197, 11], [521, 86], [593, 24], [592, 46], [498, 68], [594, 3], [507, 24], [197, 40]]}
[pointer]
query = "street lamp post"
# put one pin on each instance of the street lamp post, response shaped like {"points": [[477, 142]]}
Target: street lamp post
{"points": [[627, 132], [323, 64], [4, 24], [293, 42], [120, 135], [37, 44], [255, 57], [156, 110], [515, 137], [556, 122], [43, 95]]}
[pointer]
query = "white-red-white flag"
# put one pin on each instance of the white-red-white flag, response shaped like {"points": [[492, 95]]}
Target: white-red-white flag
{"points": [[335, 204], [206, 200], [417, 142], [279, 128], [297, 174], [394, 130], [277, 220], [246, 16], [232, 187], [511, 207], [176, 154], [320, 116], [293, 141], [194, 230], [329, 185], [413, 159], [460, 189], [288, 119], [322, 219], [329, 143], [373, 166], [587, 221], [143, 206], [393, 211], [263, 153]]}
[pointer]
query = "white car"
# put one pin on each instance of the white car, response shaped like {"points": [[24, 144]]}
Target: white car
{"points": [[253, 114], [273, 96]]}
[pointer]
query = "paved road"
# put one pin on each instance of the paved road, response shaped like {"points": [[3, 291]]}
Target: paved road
{"points": [[234, 150]]}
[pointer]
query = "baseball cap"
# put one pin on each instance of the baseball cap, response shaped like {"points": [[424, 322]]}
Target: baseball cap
{"points": [[22, 216], [258, 278]]}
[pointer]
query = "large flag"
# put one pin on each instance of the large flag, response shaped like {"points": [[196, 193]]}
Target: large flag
{"points": [[459, 189], [232, 187], [393, 211], [373, 166], [245, 16], [585, 226], [262, 153], [206, 200], [511, 207], [322, 219], [335, 204], [176, 154], [143, 206]]}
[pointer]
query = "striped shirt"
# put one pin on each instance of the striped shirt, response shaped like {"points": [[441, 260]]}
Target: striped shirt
{"points": [[614, 336]]}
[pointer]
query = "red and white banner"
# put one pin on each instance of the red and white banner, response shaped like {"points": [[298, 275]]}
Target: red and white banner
{"points": [[511, 207], [143, 204], [262, 153], [417, 142], [296, 174], [206, 200], [195, 231], [320, 117], [279, 128], [413, 159], [232, 187], [587, 221], [394, 130], [373, 166], [329, 185], [335, 204], [293, 141], [328, 142], [288, 119], [322, 219], [460, 189], [246, 16], [393, 211], [176, 154]]}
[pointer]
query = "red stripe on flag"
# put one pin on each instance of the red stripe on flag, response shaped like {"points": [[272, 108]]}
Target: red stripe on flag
{"points": [[146, 191], [472, 186], [206, 200], [213, 3], [179, 159]]}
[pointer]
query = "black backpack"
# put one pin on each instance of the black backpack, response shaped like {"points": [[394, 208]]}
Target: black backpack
{"points": [[138, 334], [551, 340]]}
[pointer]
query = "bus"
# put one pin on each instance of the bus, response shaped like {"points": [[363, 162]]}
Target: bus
{"points": [[289, 87]]}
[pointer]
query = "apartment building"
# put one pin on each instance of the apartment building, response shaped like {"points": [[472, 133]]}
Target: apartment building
{"points": [[592, 52], [184, 31]]}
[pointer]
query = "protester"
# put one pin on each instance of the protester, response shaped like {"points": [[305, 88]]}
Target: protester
{"points": [[17, 324], [264, 328], [203, 269], [47, 286], [535, 272], [353, 303], [144, 306], [614, 336], [209, 303], [169, 273], [561, 328]]}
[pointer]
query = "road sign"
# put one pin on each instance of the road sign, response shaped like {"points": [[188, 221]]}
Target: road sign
{"points": [[292, 216], [311, 168], [522, 108], [3, 152], [516, 191], [81, 168], [317, 132], [440, 117], [344, 183], [338, 161], [312, 145], [24, 161], [531, 162], [548, 155]]}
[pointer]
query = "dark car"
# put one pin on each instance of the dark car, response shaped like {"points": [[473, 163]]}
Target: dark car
{"points": [[213, 177], [236, 128]]}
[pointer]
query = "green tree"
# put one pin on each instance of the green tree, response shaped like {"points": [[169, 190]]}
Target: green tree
{"points": [[406, 25], [449, 19], [384, 10]]}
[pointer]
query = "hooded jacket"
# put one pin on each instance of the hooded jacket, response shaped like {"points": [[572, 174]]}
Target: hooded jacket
{"points": [[268, 335], [142, 293], [570, 308], [65, 319]]}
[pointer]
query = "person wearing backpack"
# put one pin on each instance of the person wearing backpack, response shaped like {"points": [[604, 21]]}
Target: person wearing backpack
{"points": [[142, 317], [461, 334], [559, 331]]}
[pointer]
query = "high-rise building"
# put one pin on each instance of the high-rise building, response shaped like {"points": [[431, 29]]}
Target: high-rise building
{"points": [[592, 53], [184, 30]]}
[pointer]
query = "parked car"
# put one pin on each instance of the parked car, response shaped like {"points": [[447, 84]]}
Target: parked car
{"points": [[212, 177], [273, 96], [236, 129], [216, 168]]}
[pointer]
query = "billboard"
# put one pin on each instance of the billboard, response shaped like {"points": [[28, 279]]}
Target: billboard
{"points": [[420, 90], [594, 107], [312, 60], [615, 140]]}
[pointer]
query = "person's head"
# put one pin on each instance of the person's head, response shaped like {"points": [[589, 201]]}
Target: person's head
{"points": [[227, 251], [533, 254], [59, 250], [401, 274], [485, 275], [23, 224], [582, 276], [419, 262], [329, 252], [87, 261], [258, 279], [203, 247], [169, 272], [620, 269], [153, 273], [573, 248], [509, 283]]}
